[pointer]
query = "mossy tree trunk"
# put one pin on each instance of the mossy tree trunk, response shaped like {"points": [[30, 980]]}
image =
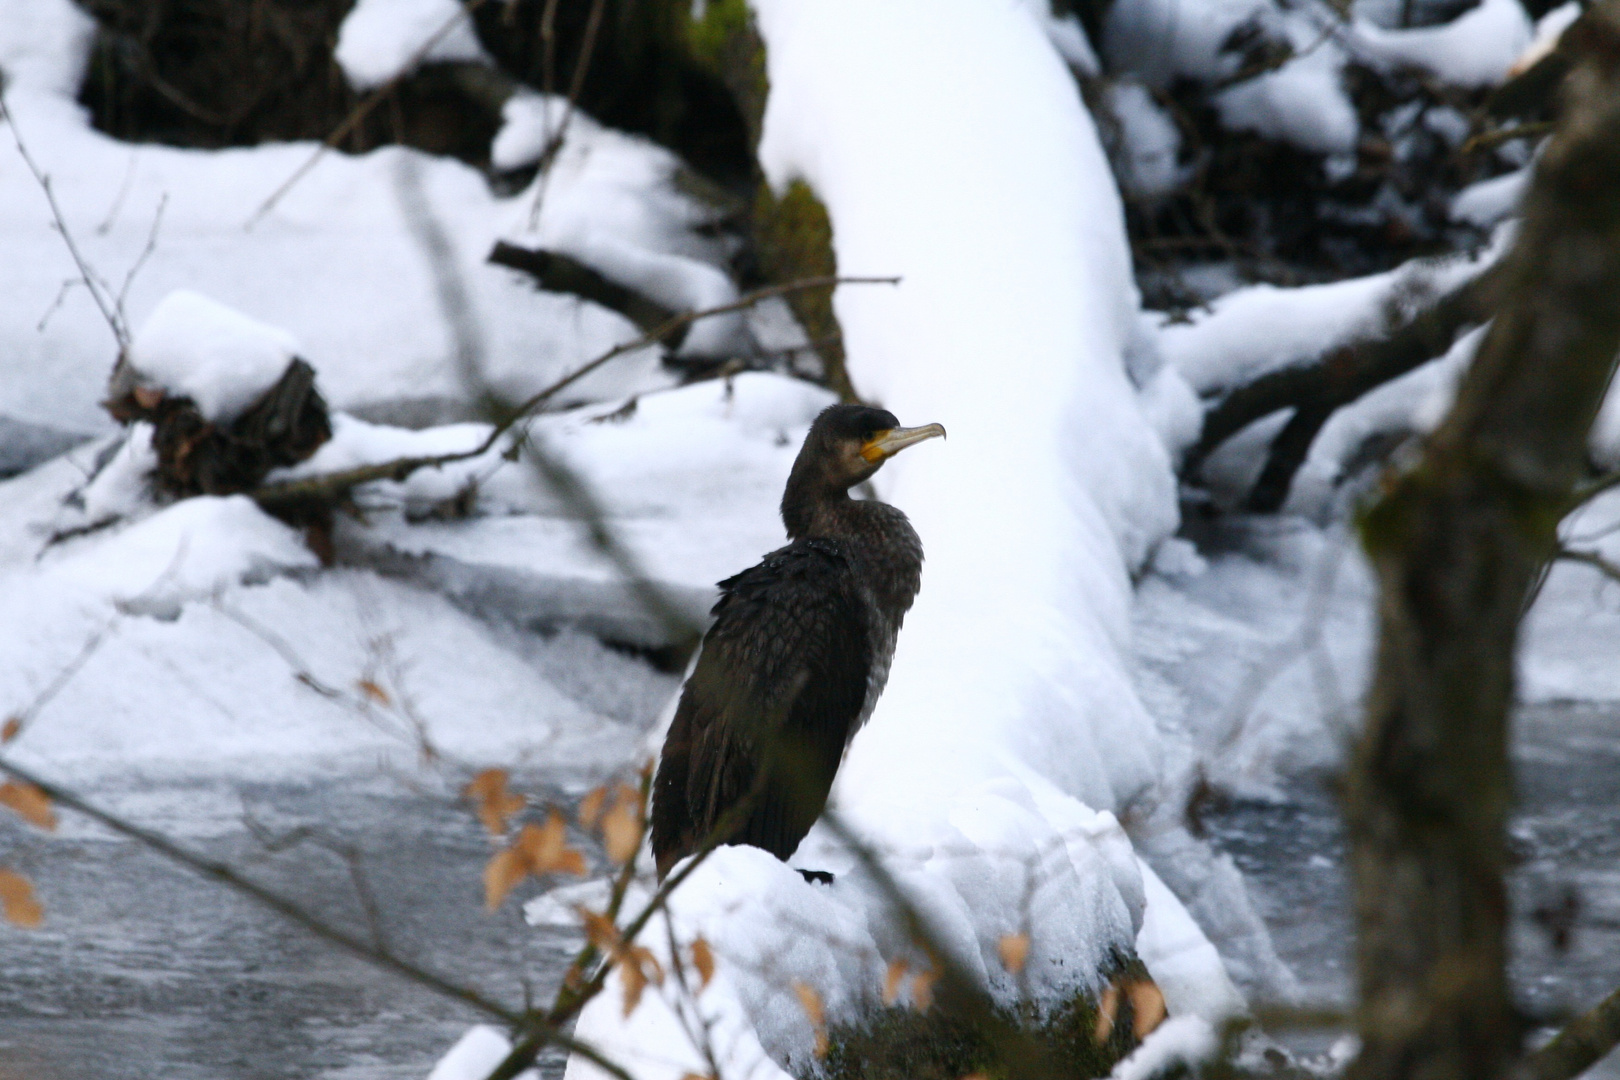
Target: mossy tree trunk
{"points": [[791, 231], [1457, 541]]}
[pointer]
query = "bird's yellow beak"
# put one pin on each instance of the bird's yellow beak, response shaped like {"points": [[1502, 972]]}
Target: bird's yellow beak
{"points": [[886, 444]]}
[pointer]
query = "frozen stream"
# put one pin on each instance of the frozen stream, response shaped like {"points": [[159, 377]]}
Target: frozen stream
{"points": [[144, 970], [1566, 885]]}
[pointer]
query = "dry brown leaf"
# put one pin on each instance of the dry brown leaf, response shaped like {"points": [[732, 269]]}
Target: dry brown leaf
{"points": [[621, 827], [634, 983], [17, 900], [922, 990], [504, 870], [494, 803], [11, 729], [698, 1076], [30, 803], [546, 847], [892, 980], [810, 1002], [590, 807], [642, 958], [1147, 1007], [599, 930], [373, 691], [703, 960], [1014, 951], [1107, 1010], [148, 397]]}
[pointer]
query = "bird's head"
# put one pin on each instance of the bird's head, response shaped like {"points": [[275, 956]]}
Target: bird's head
{"points": [[848, 443]]}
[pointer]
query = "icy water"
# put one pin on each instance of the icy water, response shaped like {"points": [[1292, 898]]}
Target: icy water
{"points": [[1565, 885], [145, 970]]}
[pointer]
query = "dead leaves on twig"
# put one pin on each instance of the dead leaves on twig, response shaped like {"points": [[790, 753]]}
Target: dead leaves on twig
{"points": [[17, 900], [1147, 1007], [29, 802], [1014, 949], [810, 1002], [637, 965], [11, 729], [494, 803], [538, 850], [899, 975], [703, 960]]}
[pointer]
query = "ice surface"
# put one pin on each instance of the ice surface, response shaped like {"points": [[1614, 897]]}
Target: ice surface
{"points": [[191, 346], [1475, 49], [381, 39]]}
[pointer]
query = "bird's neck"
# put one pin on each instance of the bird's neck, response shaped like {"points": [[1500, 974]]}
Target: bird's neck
{"points": [[825, 512]]}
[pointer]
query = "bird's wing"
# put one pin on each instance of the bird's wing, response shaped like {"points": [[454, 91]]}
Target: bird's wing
{"points": [[771, 702]]}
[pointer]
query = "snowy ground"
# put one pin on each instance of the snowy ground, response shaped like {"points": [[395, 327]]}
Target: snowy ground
{"points": [[1069, 672]]}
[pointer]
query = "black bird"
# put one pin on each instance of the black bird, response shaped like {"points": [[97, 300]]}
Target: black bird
{"points": [[798, 653]]}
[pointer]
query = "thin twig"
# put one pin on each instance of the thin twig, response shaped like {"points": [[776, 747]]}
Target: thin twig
{"points": [[92, 280], [140, 260], [554, 141], [331, 487]]}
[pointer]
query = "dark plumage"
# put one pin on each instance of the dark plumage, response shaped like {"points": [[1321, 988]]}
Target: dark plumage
{"points": [[798, 653]]}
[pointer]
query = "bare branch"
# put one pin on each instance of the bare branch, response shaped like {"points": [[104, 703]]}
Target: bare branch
{"points": [[92, 280], [335, 487]]}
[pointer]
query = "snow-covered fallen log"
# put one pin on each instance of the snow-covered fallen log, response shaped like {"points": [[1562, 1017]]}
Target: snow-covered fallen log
{"points": [[1009, 708]]}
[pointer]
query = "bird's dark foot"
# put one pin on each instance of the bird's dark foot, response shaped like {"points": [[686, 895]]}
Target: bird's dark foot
{"points": [[818, 877]]}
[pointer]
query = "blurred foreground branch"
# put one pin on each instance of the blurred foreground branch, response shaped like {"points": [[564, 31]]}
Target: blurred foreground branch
{"points": [[1584, 1042], [310, 494], [1458, 542]]}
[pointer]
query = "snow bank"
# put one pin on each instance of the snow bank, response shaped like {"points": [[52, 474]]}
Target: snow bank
{"points": [[1302, 103], [336, 264], [383, 39], [1260, 328], [631, 224], [1475, 49], [191, 346]]}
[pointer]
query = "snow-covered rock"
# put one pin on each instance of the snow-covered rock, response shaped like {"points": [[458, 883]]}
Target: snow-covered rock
{"points": [[192, 346], [383, 39], [1475, 49]]}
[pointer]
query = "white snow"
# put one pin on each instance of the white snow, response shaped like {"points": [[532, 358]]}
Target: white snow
{"points": [[1475, 49], [336, 263], [383, 39], [1150, 142], [475, 1056], [1260, 328], [986, 748], [1303, 102], [1158, 40], [1489, 201], [1549, 30], [191, 346]]}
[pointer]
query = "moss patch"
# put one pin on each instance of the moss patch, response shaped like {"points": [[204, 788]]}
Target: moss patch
{"points": [[793, 235], [899, 1043]]}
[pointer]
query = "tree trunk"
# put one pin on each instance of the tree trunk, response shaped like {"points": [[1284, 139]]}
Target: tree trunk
{"points": [[1456, 542]]}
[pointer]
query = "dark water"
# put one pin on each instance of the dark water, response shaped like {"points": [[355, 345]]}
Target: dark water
{"points": [[1565, 884], [144, 970]]}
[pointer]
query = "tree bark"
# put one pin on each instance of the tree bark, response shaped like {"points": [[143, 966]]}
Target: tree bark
{"points": [[1456, 542]]}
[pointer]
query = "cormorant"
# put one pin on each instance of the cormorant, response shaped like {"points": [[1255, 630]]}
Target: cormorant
{"points": [[798, 653]]}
